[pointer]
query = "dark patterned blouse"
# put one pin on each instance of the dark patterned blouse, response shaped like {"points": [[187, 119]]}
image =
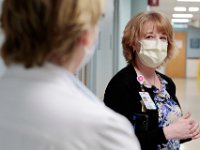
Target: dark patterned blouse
{"points": [[169, 112]]}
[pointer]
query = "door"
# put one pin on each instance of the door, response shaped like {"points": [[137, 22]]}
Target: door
{"points": [[176, 68]]}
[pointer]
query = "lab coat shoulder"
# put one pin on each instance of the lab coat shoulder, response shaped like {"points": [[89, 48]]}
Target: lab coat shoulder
{"points": [[95, 121], [98, 126], [116, 132]]}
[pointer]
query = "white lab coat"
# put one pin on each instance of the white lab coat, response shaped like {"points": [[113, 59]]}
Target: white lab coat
{"points": [[47, 108]]}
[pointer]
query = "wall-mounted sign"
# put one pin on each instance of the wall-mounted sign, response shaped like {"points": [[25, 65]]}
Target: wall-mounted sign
{"points": [[153, 2], [195, 43]]}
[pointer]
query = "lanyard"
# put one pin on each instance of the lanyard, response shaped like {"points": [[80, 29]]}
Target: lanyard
{"points": [[140, 79]]}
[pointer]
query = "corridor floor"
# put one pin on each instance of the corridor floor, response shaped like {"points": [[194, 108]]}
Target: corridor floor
{"points": [[188, 93]]}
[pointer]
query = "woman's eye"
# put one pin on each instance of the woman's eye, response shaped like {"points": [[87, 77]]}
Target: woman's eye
{"points": [[163, 38], [149, 37]]}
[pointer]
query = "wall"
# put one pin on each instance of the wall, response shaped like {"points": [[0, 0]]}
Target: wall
{"points": [[124, 17], [127, 9], [193, 54], [193, 34], [2, 66], [138, 6], [192, 68], [100, 70]]}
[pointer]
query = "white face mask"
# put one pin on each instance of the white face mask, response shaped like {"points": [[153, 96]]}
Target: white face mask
{"points": [[152, 52], [88, 54]]}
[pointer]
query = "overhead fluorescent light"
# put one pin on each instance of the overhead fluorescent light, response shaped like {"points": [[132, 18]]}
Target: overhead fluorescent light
{"points": [[180, 20], [182, 15], [179, 8], [180, 25], [193, 9], [188, 0]]}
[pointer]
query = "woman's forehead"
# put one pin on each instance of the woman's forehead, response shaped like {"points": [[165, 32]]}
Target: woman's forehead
{"points": [[151, 27]]}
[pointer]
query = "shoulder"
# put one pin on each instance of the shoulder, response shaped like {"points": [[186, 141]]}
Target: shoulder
{"points": [[127, 75], [120, 84], [167, 78], [108, 129], [116, 132], [170, 83]]}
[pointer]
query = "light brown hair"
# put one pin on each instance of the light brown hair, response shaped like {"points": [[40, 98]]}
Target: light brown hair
{"points": [[37, 31], [134, 29]]}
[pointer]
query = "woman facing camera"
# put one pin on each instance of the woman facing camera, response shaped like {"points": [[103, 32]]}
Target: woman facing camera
{"points": [[144, 95]]}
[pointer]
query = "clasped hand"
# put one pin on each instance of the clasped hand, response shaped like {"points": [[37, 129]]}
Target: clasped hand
{"points": [[184, 128]]}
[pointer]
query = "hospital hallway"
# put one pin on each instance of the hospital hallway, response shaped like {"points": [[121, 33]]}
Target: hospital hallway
{"points": [[188, 93]]}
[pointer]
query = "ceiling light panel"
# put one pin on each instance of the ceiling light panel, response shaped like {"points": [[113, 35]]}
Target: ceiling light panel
{"points": [[182, 15], [193, 9], [179, 8], [180, 20]]}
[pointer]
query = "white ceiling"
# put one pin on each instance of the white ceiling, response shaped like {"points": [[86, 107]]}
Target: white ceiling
{"points": [[167, 7]]}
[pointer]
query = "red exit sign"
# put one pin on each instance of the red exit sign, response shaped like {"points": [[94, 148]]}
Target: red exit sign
{"points": [[153, 2]]}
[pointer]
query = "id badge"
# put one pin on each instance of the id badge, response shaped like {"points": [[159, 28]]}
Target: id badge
{"points": [[148, 102], [164, 149]]}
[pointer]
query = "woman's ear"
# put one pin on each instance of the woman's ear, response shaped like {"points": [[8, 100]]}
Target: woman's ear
{"points": [[134, 47], [86, 38]]}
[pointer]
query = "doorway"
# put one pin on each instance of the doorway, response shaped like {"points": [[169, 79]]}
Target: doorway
{"points": [[176, 68]]}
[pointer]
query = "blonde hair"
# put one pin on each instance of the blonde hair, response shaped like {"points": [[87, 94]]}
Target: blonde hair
{"points": [[37, 31], [134, 29]]}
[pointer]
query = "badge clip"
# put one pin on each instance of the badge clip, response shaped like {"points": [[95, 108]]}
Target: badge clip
{"points": [[140, 79]]}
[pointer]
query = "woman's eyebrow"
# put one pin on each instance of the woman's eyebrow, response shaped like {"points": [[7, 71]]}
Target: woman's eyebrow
{"points": [[149, 32]]}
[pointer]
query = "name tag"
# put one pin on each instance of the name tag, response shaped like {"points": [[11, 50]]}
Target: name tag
{"points": [[148, 102]]}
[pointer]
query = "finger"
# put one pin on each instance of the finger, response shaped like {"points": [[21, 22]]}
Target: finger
{"points": [[191, 122], [194, 126], [186, 115], [196, 130], [196, 136]]}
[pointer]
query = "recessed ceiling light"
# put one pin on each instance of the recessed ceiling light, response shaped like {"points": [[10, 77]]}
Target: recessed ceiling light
{"points": [[180, 20], [182, 15], [179, 8], [193, 9], [188, 0]]}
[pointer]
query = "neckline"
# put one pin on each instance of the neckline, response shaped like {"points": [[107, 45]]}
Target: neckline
{"points": [[146, 82]]}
